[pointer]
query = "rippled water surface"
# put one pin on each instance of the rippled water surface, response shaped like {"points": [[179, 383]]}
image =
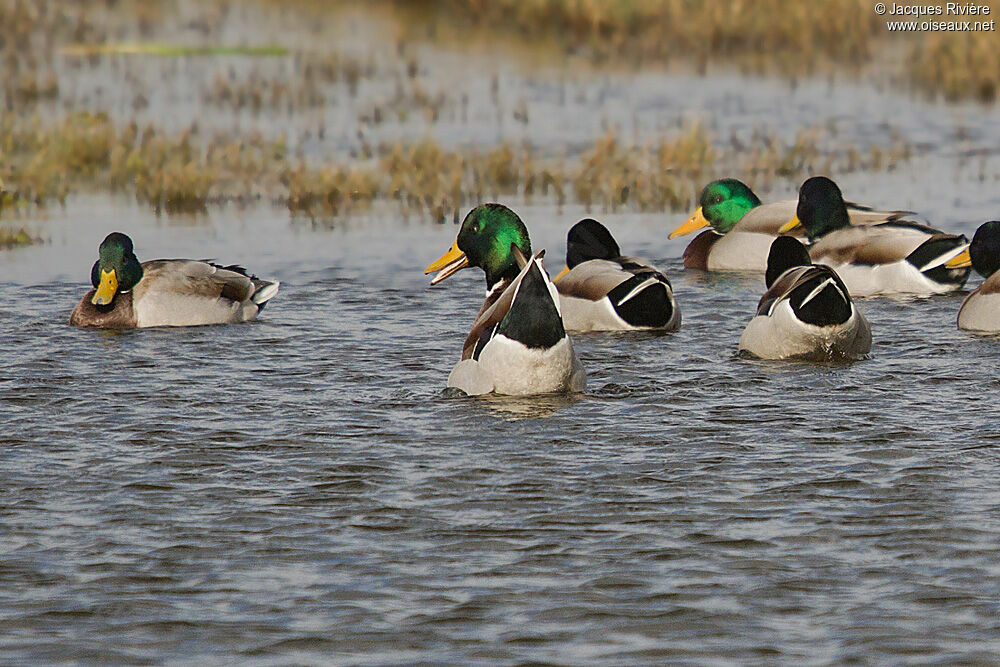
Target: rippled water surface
{"points": [[300, 489]]}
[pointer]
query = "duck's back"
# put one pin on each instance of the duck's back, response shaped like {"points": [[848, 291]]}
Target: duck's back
{"points": [[980, 310], [184, 292], [895, 257], [610, 295]]}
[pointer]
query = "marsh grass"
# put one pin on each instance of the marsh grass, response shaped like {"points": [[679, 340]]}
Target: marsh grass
{"points": [[959, 68], [186, 172], [787, 37], [16, 238], [784, 36]]}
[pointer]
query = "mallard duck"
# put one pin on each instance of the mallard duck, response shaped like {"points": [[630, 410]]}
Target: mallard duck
{"points": [[517, 345], [806, 313], [742, 228], [599, 290], [892, 257], [166, 292], [980, 310]]}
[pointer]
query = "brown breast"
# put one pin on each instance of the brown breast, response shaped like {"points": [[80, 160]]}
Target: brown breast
{"points": [[120, 315], [696, 254]]}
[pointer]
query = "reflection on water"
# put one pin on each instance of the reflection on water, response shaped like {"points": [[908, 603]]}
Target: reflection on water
{"points": [[515, 407]]}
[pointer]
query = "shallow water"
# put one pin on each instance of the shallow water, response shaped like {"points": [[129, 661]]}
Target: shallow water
{"points": [[301, 489]]}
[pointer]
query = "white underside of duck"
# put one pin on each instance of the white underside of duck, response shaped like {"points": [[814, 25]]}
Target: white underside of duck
{"points": [[740, 251], [781, 335], [585, 315], [166, 309], [884, 279], [511, 368], [980, 312]]}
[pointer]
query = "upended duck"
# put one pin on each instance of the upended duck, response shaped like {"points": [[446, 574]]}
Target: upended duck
{"points": [[742, 228], [806, 313], [517, 344], [980, 310], [600, 290], [166, 292], [892, 257]]}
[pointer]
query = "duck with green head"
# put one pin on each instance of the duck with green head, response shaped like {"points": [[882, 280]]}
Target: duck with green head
{"points": [[166, 292], [742, 228], [891, 256], [517, 344], [980, 310]]}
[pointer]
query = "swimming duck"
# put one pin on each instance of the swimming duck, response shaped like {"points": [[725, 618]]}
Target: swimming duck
{"points": [[517, 345], [891, 257], [806, 313], [980, 310], [166, 292], [599, 290], [742, 228]]}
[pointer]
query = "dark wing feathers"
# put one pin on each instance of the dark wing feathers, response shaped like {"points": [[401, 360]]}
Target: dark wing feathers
{"points": [[595, 278], [790, 280]]}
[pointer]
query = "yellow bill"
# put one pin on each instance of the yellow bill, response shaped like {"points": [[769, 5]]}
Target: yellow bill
{"points": [[694, 223], [561, 274], [790, 225], [959, 261], [452, 261], [106, 290]]}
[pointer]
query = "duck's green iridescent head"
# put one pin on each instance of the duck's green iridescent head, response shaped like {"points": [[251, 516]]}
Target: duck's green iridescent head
{"points": [[723, 203], [116, 270], [486, 239], [821, 208]]}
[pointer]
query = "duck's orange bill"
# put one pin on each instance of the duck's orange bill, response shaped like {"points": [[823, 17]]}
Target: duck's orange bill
{"points": [[959, 261], [790, 225], [452, 261], [694, 223], [561, 274], [106, 290]]}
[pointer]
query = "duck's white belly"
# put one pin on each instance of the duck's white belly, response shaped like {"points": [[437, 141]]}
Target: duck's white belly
{"points": [[163, 309], [586, 315], [783, 336], [740, 251], [980, 312], [897, 278], [514, 369]]}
